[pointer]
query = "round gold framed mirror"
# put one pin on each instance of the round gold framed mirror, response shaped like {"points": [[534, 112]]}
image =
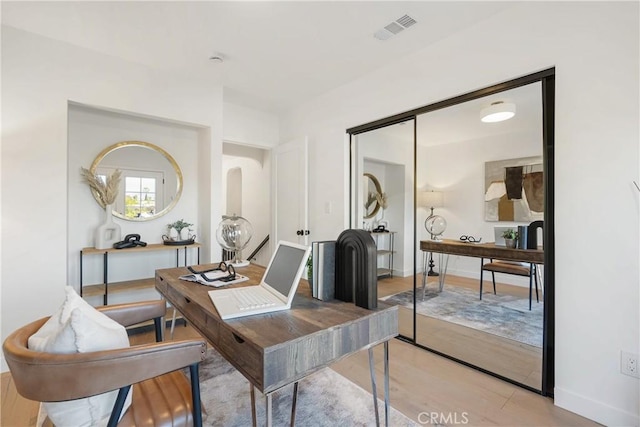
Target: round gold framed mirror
{"points": [[371, 189], [151, 183]]}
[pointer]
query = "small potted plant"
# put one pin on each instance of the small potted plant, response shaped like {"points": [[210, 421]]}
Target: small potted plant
{"points": [[181, 228], [510, 238]]}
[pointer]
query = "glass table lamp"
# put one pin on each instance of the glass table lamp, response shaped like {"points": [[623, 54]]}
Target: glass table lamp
{"points": [[434, 224], [233, 234]]}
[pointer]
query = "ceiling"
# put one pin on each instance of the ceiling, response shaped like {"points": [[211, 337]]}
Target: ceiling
{"points": [[461, 122], [277, 54]]}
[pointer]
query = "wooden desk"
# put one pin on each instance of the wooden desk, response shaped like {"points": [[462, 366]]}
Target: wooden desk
{"points": [[277, 349], [478, 250]]}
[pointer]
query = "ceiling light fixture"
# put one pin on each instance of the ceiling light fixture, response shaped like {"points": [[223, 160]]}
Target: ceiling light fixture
{"points": [[217, 58], [497, 112]]}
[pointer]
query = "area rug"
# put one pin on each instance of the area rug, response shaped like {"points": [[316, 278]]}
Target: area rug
{"points": [[325, 398], [503, 315]]}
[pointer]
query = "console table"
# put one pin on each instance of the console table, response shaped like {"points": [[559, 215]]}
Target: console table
{"points": [[448, 247], [103, 289], [276, 349]]}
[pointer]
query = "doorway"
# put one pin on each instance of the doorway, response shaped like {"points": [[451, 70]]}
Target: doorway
{"points": [[246, 173]]}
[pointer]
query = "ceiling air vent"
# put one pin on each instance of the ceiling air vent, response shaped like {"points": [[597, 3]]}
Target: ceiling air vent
{"points": [[406, 21], [394, 27]]}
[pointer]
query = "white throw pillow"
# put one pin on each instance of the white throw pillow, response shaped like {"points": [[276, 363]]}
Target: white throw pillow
{"points": [[77, 327]]}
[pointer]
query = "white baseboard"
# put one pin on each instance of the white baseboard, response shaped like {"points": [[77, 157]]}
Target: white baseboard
{"points": [[402, 273], [594, 410]]}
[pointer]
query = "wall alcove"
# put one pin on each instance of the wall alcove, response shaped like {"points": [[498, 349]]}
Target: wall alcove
{"points": [[91, 130]]}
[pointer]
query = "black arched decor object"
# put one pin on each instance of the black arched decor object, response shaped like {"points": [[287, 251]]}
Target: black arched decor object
{"points": [[356, 269]]}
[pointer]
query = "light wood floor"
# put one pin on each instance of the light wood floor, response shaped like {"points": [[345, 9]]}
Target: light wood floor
{"points": [[511, 359], [422, 385]]}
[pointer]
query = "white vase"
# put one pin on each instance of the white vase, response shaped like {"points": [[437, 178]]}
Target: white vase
{"points": [[184, 234], [108, 232], [173, 234]]}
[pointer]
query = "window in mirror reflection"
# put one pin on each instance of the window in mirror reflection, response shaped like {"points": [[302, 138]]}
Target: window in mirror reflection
{"points": [[140, 193], [140, 196]]}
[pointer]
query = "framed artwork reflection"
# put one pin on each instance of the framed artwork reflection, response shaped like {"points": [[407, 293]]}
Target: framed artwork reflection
{"points": [[514, 190]]}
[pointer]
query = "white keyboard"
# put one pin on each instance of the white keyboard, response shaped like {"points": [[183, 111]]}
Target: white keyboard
{"points": [[249, 299]]}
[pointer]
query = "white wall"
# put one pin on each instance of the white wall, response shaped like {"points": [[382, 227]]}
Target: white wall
{"points": [[594, 47], [243, 125], [39, 77]]}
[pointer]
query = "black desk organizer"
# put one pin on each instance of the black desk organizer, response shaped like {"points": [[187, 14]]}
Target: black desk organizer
{"points": [[356, 269]]}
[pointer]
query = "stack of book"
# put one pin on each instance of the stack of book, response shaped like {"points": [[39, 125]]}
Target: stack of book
{"points": [[323, 274]]}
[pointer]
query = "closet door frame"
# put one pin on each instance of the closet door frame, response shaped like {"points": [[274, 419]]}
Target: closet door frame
{"points": [[547, 78]]}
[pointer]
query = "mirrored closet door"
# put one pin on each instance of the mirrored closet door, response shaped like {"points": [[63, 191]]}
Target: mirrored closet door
{"points": [[382, 188], [476, 295], [482, 179]]}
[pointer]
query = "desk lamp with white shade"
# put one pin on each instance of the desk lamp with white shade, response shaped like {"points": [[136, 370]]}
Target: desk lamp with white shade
{"points": [[434, 224]]}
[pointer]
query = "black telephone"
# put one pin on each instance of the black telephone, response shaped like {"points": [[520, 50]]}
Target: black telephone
{"points": [[130, 241]]}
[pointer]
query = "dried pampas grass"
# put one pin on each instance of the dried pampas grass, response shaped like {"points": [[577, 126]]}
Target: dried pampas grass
{"points": [[107, 191], [382, 200]]}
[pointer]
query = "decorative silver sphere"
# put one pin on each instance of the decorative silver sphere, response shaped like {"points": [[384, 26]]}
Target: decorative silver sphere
{"points": [[435, 225]]}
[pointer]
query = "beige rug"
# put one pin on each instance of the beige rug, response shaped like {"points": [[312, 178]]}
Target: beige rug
{"points": [[325, 398]]}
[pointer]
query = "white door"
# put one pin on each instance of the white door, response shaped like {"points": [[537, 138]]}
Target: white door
{"points": [[290, 191]]}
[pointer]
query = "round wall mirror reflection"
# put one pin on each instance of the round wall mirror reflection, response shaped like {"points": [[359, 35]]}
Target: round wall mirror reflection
{"points": [[371, 188], [151, 182]]}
